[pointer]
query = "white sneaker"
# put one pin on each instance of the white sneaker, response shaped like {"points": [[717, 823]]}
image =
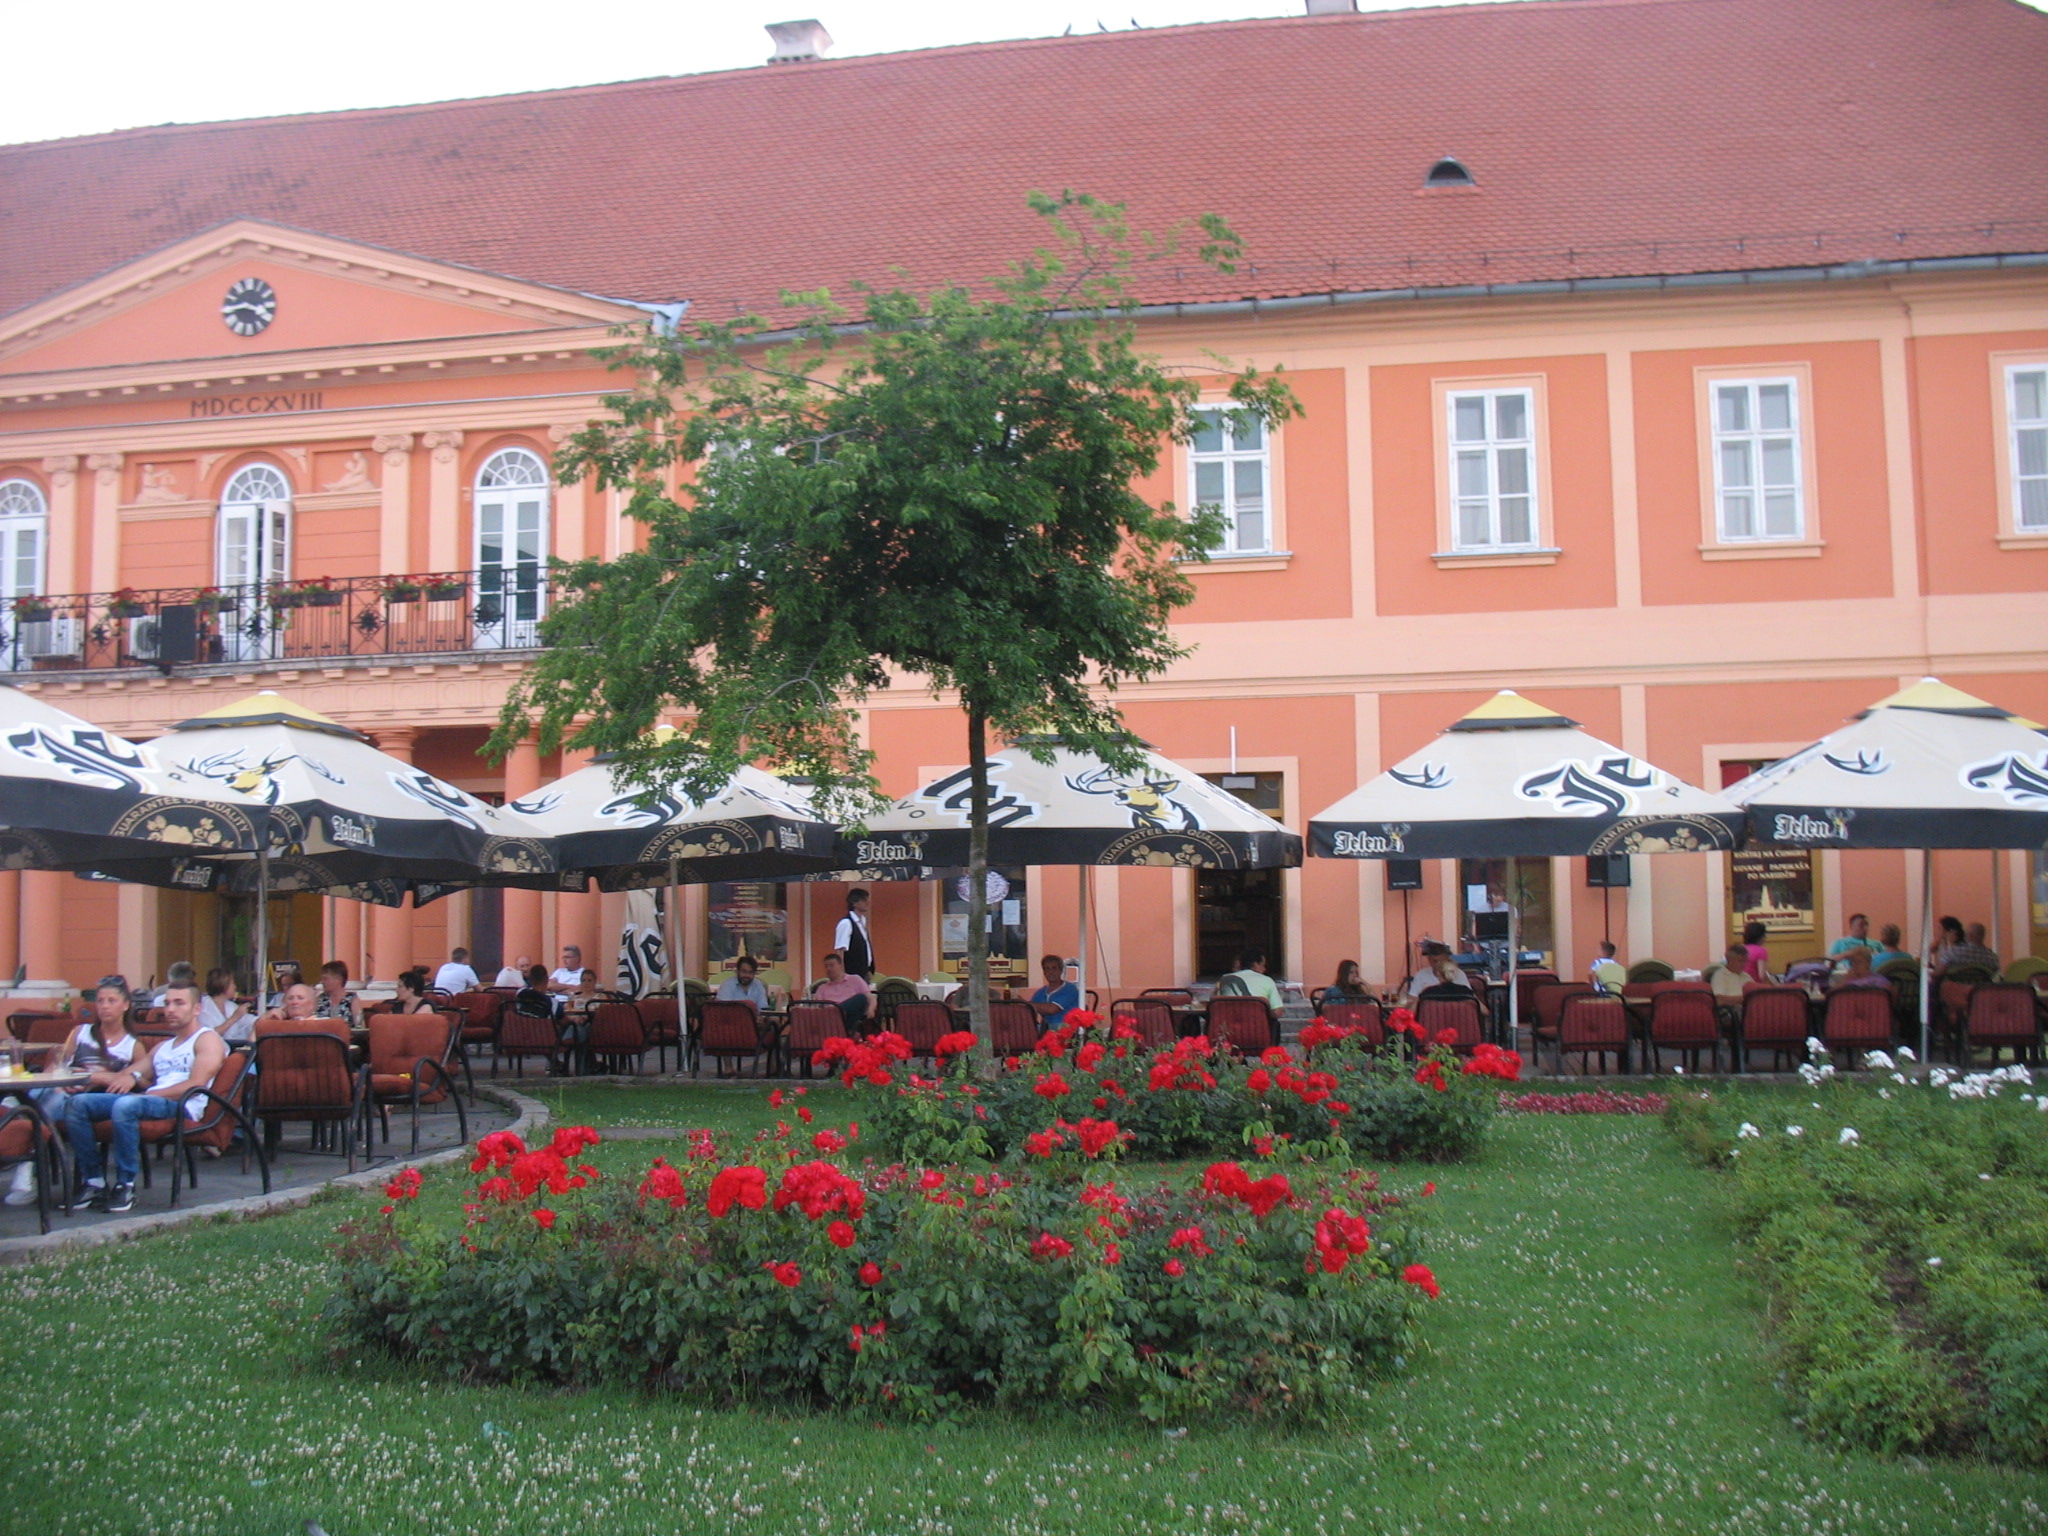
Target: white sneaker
{"points": [[24, 1190]]}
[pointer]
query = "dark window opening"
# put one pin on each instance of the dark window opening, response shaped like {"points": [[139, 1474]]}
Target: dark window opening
{"points": [[1448, 173]]}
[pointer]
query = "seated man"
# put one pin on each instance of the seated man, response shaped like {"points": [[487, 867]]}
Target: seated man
{"points": [[1972, 953], [513, 975], [1053, 1001], [334, 1001], [567, 976], [299, 1004], [855, 998], [150, 1089], [1858, 937], [1859, 974], [1730, 979], [1438, 970], [744, 986], [1607, 973], [1251, 976], [456, 976]]}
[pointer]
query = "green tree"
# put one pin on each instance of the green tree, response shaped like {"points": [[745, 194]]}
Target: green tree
{"points": [[936, 490]]}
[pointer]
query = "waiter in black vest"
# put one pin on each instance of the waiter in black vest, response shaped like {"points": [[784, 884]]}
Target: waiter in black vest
{"points": [[851, 936]]}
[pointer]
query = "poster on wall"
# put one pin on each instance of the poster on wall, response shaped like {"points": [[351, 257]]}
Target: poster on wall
{"points": [[1008, 936], [746, 917], [1772, 886]]}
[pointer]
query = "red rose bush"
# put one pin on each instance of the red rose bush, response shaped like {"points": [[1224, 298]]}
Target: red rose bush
{"points": [[768, 1273]]}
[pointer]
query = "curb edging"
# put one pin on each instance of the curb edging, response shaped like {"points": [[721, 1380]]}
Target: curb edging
{"points": [[530, 1115]]}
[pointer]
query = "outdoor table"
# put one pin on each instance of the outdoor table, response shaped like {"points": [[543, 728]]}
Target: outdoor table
{"points": [[936, 991]]}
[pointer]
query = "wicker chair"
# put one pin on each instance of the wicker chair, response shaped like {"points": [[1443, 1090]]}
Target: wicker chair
{"points": [[1012, 1029], [411, 1061], [811, 1024], [1245, 1024], [2002, 1016], [1856, 1019], [1590, 1023], [729, 1031], [617, 1034], [1369, 1017], [1462, 1014], [307, 1077], [1683, 1018], [1776, 1019]]}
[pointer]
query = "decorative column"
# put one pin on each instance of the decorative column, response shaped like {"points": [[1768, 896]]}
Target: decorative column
{"points": [[61, 562], [524, 931], [444, 501], [42, 933], [103, 574], [571, 528], [391, 927], [10, 927], [579, 915], [394, 511]]}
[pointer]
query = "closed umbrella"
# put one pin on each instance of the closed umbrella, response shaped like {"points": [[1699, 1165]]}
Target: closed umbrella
{"points": [[1929, 767], [1073, 808], [1514, 779], [72, 794]]}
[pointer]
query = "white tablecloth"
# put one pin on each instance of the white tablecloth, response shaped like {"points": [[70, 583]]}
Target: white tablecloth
{"points": [[936, 991]]}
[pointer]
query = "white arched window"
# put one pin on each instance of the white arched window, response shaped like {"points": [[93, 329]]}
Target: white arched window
{"points": [[24, 537], [255, 554], [511, 520]]}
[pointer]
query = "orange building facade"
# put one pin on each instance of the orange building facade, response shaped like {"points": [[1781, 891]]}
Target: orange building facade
{"points": [[1707, 519]]}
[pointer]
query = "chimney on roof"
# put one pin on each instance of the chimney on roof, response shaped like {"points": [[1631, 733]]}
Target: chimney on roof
{"points": [[797, 42], [1332, 7]]}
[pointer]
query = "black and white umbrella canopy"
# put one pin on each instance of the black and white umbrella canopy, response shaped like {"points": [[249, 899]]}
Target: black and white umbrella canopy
{"points": [[626, 837], [342, 816], [1074, 809], [1513, 779], [1929, 767], [72, 794]]}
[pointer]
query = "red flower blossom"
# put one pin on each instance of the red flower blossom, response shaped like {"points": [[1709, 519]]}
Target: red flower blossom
{"points": [[545, 1218], [1175, 1268], [786, 1274], [664, 1183], [1431, 1075], [1081, 1018], [775, 1099], [1097, 1136], [1046, 1246], [1112, 1254], [958, 1043], [1089, 1056], [1259, 1081], [405, 1185], [742, 1185], [1190, 1240], [496, 1150], [1044, 1143], [1429, 1189], [500, 1188], [804, 1113], [841, 1234], [1051, 1086], [871, 1273], [829, 1141], [819, 1189], [570, 1140], [1418, 1275]]}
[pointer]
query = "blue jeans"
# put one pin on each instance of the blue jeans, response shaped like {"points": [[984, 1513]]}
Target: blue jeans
{"points": [[127, 1111]]}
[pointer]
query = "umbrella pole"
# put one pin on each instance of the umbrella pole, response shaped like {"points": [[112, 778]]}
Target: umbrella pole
{"points": [[1082, 869], [1514, 948], [675, 928], [262, 929], [1926, 942]]}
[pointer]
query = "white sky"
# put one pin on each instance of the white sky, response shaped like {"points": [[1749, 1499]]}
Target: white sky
{"points": [[161, 61]]}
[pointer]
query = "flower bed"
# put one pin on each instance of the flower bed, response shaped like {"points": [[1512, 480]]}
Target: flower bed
{"points": [[1601, 1101], [912, 1290], [1898, 1228], [1094, 1083]]}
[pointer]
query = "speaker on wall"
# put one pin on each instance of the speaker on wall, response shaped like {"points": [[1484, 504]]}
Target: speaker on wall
{"points": [[1404, 874], [1607, 869]]}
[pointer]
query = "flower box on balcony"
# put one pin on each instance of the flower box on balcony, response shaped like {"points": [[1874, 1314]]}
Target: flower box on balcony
{"points": [[213, 600], [32, 610], [446, 591], [126, 604], [311, 594], [402, 591]]}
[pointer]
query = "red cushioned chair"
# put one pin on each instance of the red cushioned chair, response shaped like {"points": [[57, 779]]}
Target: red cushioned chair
{"points": [[522, 1034], [1547, 1004], [307, 1076], [922, 1023], [1856, 1019], [663, 1019], [412, 1057], [1776, 1019], [1151, 1016], [2002, 1016], [1462, 1014], [480, 1014], [1590, 1024], [811, 1024], [1244, 1024], [617, 1035], [1012, 1028], [1683, 1018], [1369, 1017], [729, 1031], [222, 1113]]}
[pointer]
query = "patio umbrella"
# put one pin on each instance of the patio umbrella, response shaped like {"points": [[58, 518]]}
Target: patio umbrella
{"points": [[1511, 780], [1929, 767], [1073, 809], [341, 815], [72, 794]]}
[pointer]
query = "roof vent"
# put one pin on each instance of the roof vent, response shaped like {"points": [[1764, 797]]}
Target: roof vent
{"points": [[1448, 172], [1332, 7], [797, 42]]}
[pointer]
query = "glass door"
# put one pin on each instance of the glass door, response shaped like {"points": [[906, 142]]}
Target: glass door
{"points": [[254, 563]]}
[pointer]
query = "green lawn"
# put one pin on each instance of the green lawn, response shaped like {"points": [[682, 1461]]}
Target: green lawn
{"points": [[1594, 1365]]}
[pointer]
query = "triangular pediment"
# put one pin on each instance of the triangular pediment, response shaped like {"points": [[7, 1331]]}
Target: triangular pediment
{"points": [[298, 293]]}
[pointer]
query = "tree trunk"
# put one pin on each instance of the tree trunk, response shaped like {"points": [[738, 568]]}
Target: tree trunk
{"points": [[977, 873]]}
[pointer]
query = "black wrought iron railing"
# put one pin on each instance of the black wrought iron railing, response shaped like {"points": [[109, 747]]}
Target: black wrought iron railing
{"points": [[495, 609]]}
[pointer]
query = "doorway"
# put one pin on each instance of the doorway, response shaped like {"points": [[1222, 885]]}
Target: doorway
{"points": [[1236, 910]]}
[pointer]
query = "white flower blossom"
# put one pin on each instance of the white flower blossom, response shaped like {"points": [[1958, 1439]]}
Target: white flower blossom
{"points": [[1884, 1093], [1906, 1054], [1815, 1046], [1795, 1130], [1880, 1061], [1939, 1077], [1898, 1077], [1746, 1130], [1985, 1177], [1934, 1263], [1848, 1138]]}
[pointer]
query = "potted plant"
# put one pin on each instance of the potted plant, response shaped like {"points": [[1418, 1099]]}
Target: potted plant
{"points": [[441, 589], [32, 610], [213, 600], [126, 604], [316, 593], [401, 589]]}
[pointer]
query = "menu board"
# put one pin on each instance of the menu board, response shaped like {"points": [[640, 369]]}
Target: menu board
{"points": [[1772, 886], [747, 917]]}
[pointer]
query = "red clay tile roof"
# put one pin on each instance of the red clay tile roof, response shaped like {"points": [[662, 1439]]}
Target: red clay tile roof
{"points": [[1608, 137]]}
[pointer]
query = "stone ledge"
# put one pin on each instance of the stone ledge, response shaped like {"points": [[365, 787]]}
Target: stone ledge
{"points": [[531, 1115]]}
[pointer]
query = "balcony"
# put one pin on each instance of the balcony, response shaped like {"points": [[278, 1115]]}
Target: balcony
{"points": [[266, 623]]}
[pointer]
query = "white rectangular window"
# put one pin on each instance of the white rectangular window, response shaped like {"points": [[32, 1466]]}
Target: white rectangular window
{"points": [[1493, 469], [1756, 460], [2027, 410], [1230, 468]]}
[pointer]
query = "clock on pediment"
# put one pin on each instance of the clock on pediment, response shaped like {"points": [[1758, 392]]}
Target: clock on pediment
{"points": [[250, 305]]}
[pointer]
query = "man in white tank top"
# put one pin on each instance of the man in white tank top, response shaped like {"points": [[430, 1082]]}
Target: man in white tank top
{"points": [[150, 1089]]}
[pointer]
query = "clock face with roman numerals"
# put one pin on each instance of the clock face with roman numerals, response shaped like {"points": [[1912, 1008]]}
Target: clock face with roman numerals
{"points": [[250, 306]]}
